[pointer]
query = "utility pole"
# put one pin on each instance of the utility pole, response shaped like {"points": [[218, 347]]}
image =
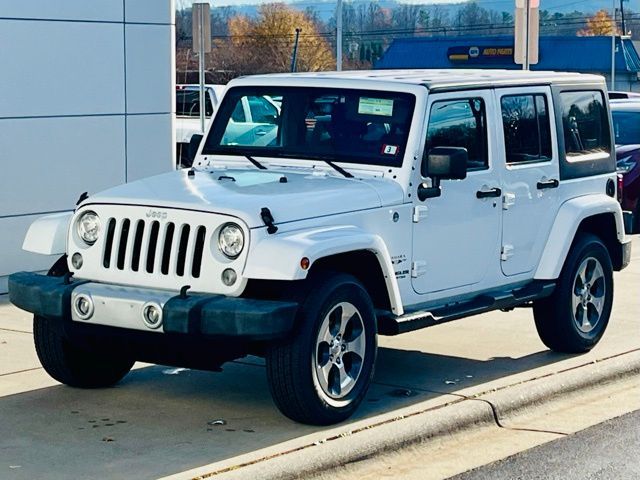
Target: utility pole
{"points": [[613, 45], [201, 35], [294, 57], [339, 36], [624, 30]]}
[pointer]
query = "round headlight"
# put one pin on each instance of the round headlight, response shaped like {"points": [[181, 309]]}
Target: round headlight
{"points": [[231, 240], [88, 226]]}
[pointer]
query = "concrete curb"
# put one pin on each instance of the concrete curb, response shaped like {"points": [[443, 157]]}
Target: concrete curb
{"points": [[412, 428]]}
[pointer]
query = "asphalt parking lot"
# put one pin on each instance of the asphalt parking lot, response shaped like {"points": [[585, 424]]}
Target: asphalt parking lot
{"points": [[162, 421]]}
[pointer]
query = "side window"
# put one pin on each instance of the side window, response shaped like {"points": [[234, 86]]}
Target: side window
{"points": [[585, 123], [262, 111], [238, 113], [525, 120], [459, 123]]}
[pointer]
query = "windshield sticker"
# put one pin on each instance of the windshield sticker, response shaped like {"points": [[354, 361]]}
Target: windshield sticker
{"points": [[375, 106], [390, 149]]}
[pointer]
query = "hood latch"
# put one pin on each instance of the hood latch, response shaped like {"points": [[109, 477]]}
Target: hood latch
{"points": [[267, 218]]}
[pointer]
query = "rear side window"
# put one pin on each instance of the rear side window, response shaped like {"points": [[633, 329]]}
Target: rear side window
{"points": [[525, 120], [459, 123], [585, 123]]}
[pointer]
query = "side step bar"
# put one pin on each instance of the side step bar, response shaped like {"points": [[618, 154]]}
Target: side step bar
{"points": [[391, 325]]}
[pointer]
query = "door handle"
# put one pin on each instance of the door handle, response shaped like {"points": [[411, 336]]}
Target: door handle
{"points": [[261, 133], [492, 192], [553, 183]]}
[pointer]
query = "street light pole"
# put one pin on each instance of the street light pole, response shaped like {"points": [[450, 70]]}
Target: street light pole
{"points": [[613, 46], [624, 30], [339, 36]]}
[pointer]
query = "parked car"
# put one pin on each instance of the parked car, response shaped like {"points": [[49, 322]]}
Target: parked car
{"points": [[377, 204], [188, 114], [626, 126], [629, 185], [617, 95]]}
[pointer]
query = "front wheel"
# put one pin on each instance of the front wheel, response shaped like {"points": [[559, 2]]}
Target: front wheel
{"points": [[321, 374], [574, 318], [75, 365]]}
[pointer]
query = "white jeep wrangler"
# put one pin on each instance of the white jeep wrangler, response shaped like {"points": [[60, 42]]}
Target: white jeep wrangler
{"points": [[375, 204]]}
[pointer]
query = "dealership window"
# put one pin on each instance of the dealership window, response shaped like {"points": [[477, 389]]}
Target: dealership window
{"points": [[584, 120], [527, 132], [459, 123]]}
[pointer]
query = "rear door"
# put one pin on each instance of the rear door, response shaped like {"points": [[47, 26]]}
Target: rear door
{"points": [[530, 179]]}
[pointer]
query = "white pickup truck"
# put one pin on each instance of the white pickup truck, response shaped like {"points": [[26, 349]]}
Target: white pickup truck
{"points": [[366, 204]]}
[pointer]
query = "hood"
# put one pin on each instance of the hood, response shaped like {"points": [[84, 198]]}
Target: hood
{"points": [[290, 195]]}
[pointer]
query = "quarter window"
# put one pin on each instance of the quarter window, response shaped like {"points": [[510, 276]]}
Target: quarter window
{"points": [[585, 125], [459, 123], [525, 120]]}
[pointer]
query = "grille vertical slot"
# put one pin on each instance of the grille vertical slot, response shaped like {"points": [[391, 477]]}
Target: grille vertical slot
{"points": [[122, 244], [196, 265], [137, 246], [166, 249], [153, 242], [182, 250], [108, 243]]}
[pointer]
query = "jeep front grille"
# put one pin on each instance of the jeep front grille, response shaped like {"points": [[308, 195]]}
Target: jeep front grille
{"points": [[167, 248]]}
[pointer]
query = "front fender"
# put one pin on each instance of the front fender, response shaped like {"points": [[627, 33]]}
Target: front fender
{"points": [[48, 234], [566, 224], [277, 257]]}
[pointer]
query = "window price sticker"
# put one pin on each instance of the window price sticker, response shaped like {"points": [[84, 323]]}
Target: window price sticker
{"points": [[390, 149], [375, 106]]}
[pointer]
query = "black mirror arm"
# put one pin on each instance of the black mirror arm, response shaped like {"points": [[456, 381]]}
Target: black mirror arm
{"points": [[429, 192]]}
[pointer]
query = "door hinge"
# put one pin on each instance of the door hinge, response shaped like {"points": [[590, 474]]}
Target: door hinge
{"points": [[418, 268], [419, 212], [508, 200], [507, 251]]}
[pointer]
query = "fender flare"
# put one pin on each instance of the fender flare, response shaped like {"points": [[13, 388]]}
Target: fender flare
{"points": [[48, 235], [565, 226], [277, 257]]}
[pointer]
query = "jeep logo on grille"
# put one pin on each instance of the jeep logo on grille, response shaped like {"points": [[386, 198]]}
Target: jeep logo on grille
{"points": [[159, 214]]}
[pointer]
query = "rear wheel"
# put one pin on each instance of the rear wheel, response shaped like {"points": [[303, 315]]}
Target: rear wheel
{"points": [[321, 374], [575, 317]]}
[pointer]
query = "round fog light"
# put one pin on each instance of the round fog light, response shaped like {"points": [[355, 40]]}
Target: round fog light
{"points": [[152, 315], [229, 277], [83, 306], [76, 260]]}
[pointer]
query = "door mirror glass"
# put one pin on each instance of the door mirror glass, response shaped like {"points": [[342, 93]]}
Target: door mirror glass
{"points": [[447, 163]]}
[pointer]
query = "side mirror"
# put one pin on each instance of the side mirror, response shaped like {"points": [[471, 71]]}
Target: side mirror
{"points": [[447, 163], [192, 151], [443, 163]]}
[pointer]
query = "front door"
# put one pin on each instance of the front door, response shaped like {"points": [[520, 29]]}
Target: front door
{"points": [[457, 235], [530, 179]]}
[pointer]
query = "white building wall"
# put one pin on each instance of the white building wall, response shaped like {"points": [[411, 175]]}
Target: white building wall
{"points": [[87, 102]]}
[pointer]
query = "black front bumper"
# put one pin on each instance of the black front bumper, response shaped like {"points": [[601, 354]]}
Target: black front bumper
{"points": [[193, 315]]}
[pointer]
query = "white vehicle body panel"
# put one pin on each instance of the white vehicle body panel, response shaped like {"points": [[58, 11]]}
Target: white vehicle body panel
{"points": [[566, 223], [48, 234]]}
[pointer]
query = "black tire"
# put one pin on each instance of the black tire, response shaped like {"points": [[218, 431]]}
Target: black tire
{"points": [[291, 365], [556, 317], [73, 365]]}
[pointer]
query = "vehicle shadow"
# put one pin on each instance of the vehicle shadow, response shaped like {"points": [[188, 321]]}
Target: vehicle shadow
{"points": [[161, 421]]}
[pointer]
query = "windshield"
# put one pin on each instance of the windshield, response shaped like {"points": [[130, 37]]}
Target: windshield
{"points": [[344, 125], [626, 126]]}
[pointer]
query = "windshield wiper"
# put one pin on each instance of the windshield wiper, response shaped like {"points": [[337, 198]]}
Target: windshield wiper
{"points": [[255, 162], [337, 168]]}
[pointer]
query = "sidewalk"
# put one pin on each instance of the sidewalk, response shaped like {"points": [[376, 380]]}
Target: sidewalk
{"points": [[159, 422]]}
